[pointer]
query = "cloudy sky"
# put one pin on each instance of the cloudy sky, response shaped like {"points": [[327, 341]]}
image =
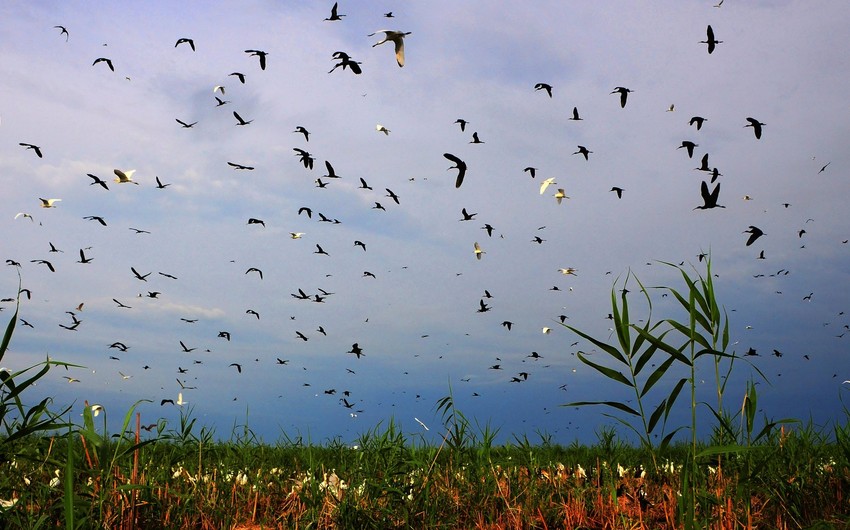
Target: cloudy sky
{"points": [[416, 315]]}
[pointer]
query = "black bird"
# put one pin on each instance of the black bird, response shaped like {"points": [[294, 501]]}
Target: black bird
{"points": [[361, 244], [466, 215], [240, 76], [345, 61], [709, 199], [97, 180], [392, 195], [143, 277], [138, 230], [331, 173], [320, 250], [619, 192], [224, 335], [190, 42], [320, 183], [104, 60], [507, 324], [356, 350], [367, 274], [711, 41], [462, 123], [240, 120], [120, 305], [95, 218], [255, 269], [301, 336], [83, 258], [305, 157], [334, 14], [282, 361], [240, 166], [624, 93], [754, 232], [475, 139], [253, 221], [63, 31], [306, 210], [300, 129], [252, 312], [575, 115], [460, 165], [238, 367], [35, 148], [301, 295], [689, 145], [531, 171], [756, 125], [160, 185], [363, 185], [488, 228], [184, 124], [186, 349], [44, 262], [482, 307], [379, 206], [544, 86], [53, 248], [582, 150], [704, 164], [261, 54], [698, 121], [220, 102]]}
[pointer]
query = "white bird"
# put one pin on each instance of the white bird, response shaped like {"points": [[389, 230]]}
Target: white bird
{"points": [[478, 251], [180, 401], [48, 203], [546, 330], [381, 128], [296, 235], [420, 423], [568, 270], [24, 214], [397, 37], [123, 177], [560, 195], [545, 184]]}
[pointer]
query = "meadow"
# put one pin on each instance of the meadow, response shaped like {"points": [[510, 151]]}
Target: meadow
{"points": [[750, 473]]}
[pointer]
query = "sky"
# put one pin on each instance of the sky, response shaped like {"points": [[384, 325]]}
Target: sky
{"points": [[416, 315]]}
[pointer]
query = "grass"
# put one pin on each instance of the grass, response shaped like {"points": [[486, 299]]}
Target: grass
{"points": [[750, 473]]}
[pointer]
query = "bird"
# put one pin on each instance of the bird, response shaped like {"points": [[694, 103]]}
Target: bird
{"points": [[304, 157], [531, 171], [301, 130], [296, 235], [460, 165], [224, 335], [44, 262], [240, 166], [252, 312], [671, 108], [575, 116], [619, 191], [334, 14], [239, 119], [345, 61], [582, 150], [477, 250], [160, 185], [624, 93], [120, 305], [331, 173], [381, 128], [475, 139], [83, 258], [36, 149], [507, 324], [392, 195], [462, 123], [255, 269], [689, 146], [756, 125], [544, 86], [360, 244], [123, 177], [568, 270], [560, 195], [320, 250], [356, 350], [698, 121], [545, 184], [97, 180], [142, 277], [238, 367], [466, 215], [240, 76], [397, 37], [220, 102], [363, 185], [138, 231], [63, 31], [184, 124], [184, 40], [48, 203], [253, 221], [488, 228], [709, 198], [262, 56], [97, 218], [482, 307], [755, 233], [53, 248], [710, 40], [104, 60]]}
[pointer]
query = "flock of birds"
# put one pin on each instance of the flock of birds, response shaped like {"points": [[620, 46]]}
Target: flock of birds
{"points": [[709, 193]]}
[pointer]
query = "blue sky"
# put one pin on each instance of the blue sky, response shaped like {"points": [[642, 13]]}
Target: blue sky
{"points": [[416, 319]]}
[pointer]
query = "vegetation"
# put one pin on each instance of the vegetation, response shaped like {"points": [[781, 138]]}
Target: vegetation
{"points": [[781, 474]]}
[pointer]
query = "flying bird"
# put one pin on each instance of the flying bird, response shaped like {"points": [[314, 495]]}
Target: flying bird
{"points": [[462, 123], [253, 221], [689, 146], [397, 37], [475, 139], [259, 53], [544, 86], [83, 258], [711, 41], [356, 350], [240, 166], [624, 93], [184, 124], [755, 233], [575, 116], [239, 76], [255, 269], [239, 119], [301, 130], [345, 61], [48, 203], [545, 184], [466, 215], [460, 165], [477, 250], [582, 150], [381, 128], [709, 199], [756, 125], [104, 60], [698, 121], [63, 31], [36, 149], [97, 218], [531, 171], [619, 191], [238, 367], [123, 177], [560, 195], [190, 42], [142, 277], [334, 14], [97, 180]]}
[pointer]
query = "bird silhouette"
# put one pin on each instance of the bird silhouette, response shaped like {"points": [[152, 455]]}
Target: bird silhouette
{"points": [[239, 120], [462, 123], [36, 149], [240, 166], [755, 233], [756, 125], [460, 165], [97, 180], [698, 121], [575, 116], [619, 191], [184, 124], [63, 31], [709, 199], [184, 40], [624, 93], [261, 55], [104, 60], [582, 150], [124, 177], [710, 40], [689, 146], [544, 86], [334, 14], [301, 130]]}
